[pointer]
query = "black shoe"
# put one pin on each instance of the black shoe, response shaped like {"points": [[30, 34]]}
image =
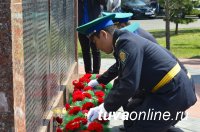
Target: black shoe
{"points": [[174, 129]]}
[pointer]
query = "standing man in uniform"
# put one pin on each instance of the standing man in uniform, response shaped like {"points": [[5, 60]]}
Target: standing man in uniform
{"points": [[89, 10], [141, 64]]}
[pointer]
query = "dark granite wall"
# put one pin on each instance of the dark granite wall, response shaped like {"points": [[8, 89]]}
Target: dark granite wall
{"points": [[6, 76], [37, 51]]}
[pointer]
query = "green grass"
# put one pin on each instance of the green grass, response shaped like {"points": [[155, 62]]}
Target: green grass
{"points": [[184, 45]]}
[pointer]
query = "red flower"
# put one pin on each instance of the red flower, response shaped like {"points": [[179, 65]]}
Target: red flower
{"points": [[58, 129], [59, 120], [88, 88], [74, 110], [67, 106], [72, 126], [87, 95], [99, 94], [84, 121], [85, 111], [79, 85], [77, 96], [95, 126], [100, 100], [75, 89], [77, 92], [84, 131], [87, 75], [102, 121], [81, 120], [75, 82], [102, 85], [87, 106], [85, 78]]}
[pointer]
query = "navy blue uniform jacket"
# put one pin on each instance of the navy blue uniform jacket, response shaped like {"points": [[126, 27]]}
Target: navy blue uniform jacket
{"points": [[143, 65], [112, 72]]}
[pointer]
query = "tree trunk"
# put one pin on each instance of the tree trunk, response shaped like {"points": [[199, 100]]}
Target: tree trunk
{"points": [[167, 15], [176, 31]]}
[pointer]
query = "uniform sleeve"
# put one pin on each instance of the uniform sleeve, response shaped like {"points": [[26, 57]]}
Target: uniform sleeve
{"points": [[129, 76], [146, 35], [150, 37], [181, 65], [109, 75]]}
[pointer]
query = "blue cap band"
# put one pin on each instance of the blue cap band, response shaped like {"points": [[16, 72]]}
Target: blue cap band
{"points": [[121, 20], [100, 26]]}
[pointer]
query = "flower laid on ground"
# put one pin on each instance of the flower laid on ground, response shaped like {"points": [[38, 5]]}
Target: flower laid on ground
{"points": [[72, 126], [59, 120], [81, 100], [58, 129], [67, 106], [95, 127], [87, 106], [74, 110], [99, 94]]}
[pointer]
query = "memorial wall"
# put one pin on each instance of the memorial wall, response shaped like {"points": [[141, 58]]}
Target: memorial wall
{"points": [[37, 57]]}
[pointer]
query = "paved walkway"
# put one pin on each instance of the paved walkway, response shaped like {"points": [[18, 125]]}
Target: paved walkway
{"points": [[159, 24], [192, 123]]}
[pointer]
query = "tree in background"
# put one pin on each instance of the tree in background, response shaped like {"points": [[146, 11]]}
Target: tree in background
{"points": [[179, 9], [166, 4], [196, 10], [175, 11]]}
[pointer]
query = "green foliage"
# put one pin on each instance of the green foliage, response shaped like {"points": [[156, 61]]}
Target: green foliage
{"points": [[70, 98], [106, 129], [178, 9], [87, 100], [195, 12], [109, 86], [78, 103], [93, 76], [91, 92], [98, 87], [184, 45]]}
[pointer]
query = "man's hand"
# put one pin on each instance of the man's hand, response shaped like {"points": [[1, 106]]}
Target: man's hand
{"points": [[93, 83], [95, 112]]}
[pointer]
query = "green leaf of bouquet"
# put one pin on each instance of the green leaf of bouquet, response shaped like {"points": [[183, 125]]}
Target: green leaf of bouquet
{"points": [[106, 92], [85, 84], [99, 87], [91, 92], [95, 102], [109, 86], [93, 77], [72, 117], [70, 98], [78, 103], [83, 127], [80, 114], [87, 100], [106, 123], [106, 129]]}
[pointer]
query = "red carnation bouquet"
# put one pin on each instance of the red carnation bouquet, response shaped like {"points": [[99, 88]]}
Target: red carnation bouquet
{"points": [[83, 97]]}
